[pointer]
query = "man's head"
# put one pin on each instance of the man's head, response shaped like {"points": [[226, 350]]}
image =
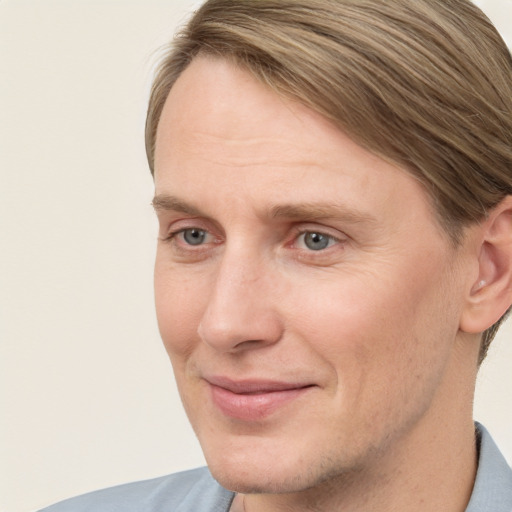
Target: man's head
{"points": [[332, 185], [426, 85]]}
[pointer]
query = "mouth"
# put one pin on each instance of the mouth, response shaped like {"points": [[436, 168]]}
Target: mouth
{"points": [[253, 400]]}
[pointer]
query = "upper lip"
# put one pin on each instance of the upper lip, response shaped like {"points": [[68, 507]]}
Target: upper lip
{"points": [[246, 386]]}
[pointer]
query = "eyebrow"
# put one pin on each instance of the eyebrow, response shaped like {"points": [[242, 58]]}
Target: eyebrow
{"points": [[302, 211], [317, 211], [164, 202]]}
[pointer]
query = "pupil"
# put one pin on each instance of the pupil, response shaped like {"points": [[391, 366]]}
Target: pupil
{"points": [[316, 241], [194, 236]]}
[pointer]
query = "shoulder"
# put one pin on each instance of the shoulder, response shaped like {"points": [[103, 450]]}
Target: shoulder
{"points": [[188, 491]]}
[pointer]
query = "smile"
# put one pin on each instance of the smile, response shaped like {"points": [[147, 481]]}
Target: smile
{"points": [[253, 400]]}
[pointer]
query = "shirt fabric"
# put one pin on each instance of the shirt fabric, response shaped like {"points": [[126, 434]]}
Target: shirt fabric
{"points": [[197, 491]]}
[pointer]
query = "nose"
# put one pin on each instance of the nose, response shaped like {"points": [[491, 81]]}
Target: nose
{"points": [[241, 312]]}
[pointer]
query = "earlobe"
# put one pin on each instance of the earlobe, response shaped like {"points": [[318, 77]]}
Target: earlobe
{"points": [[491, 294]]}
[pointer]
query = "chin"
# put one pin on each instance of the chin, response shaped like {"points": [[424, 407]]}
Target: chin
{"points": [[260, 482], [248, 470], [254, 472]]}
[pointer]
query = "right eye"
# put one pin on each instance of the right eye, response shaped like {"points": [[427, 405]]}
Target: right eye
{"points": [[193, 236]]}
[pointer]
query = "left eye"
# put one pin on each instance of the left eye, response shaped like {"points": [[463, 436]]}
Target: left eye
{"points": [[315, 241]]}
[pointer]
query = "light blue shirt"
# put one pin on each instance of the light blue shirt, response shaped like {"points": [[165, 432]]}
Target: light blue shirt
{"points": [[197, 491], [492, 491]]}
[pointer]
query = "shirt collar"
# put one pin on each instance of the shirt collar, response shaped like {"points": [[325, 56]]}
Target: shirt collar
{"points": [[492, 491]]}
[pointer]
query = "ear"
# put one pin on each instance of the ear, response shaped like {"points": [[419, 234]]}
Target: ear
{"points": [[491, 294]]}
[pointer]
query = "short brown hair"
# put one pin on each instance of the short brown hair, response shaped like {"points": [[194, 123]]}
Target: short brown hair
{"points": [[426, 84]]}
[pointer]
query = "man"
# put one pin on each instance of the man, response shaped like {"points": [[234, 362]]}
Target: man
{"points": [[333, 183]]}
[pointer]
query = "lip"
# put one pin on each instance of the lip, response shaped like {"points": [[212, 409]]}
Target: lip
{"points": [[253, 400]]}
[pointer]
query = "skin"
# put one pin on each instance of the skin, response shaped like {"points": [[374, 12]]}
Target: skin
{"points": [[371, 322]]}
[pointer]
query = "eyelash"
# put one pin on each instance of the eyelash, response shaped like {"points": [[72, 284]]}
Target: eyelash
{"points": [[331, 240], [174, 234]]}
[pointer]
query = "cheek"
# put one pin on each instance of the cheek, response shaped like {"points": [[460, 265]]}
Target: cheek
{"points": [[386, 348], [376, 326], [179, 301]]}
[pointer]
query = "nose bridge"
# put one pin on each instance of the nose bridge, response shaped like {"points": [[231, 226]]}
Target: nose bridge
{"points": [[241, 303]]}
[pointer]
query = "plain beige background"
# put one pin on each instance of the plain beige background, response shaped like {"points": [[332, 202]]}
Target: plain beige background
{"points": [[86, 392]]}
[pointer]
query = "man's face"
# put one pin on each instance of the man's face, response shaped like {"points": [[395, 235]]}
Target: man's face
{"points": [[306, 296]]}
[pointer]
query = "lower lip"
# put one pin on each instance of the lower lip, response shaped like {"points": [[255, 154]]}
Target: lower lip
{"points": [[253, 407]]}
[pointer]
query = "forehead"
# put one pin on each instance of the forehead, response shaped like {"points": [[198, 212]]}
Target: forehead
{"points": [[215, 99], [218, 108]]}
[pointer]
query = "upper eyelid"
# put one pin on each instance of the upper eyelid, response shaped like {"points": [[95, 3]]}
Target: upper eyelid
{"points": [[173, 232], [187, 221], [321, 229], [325, 232]]}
